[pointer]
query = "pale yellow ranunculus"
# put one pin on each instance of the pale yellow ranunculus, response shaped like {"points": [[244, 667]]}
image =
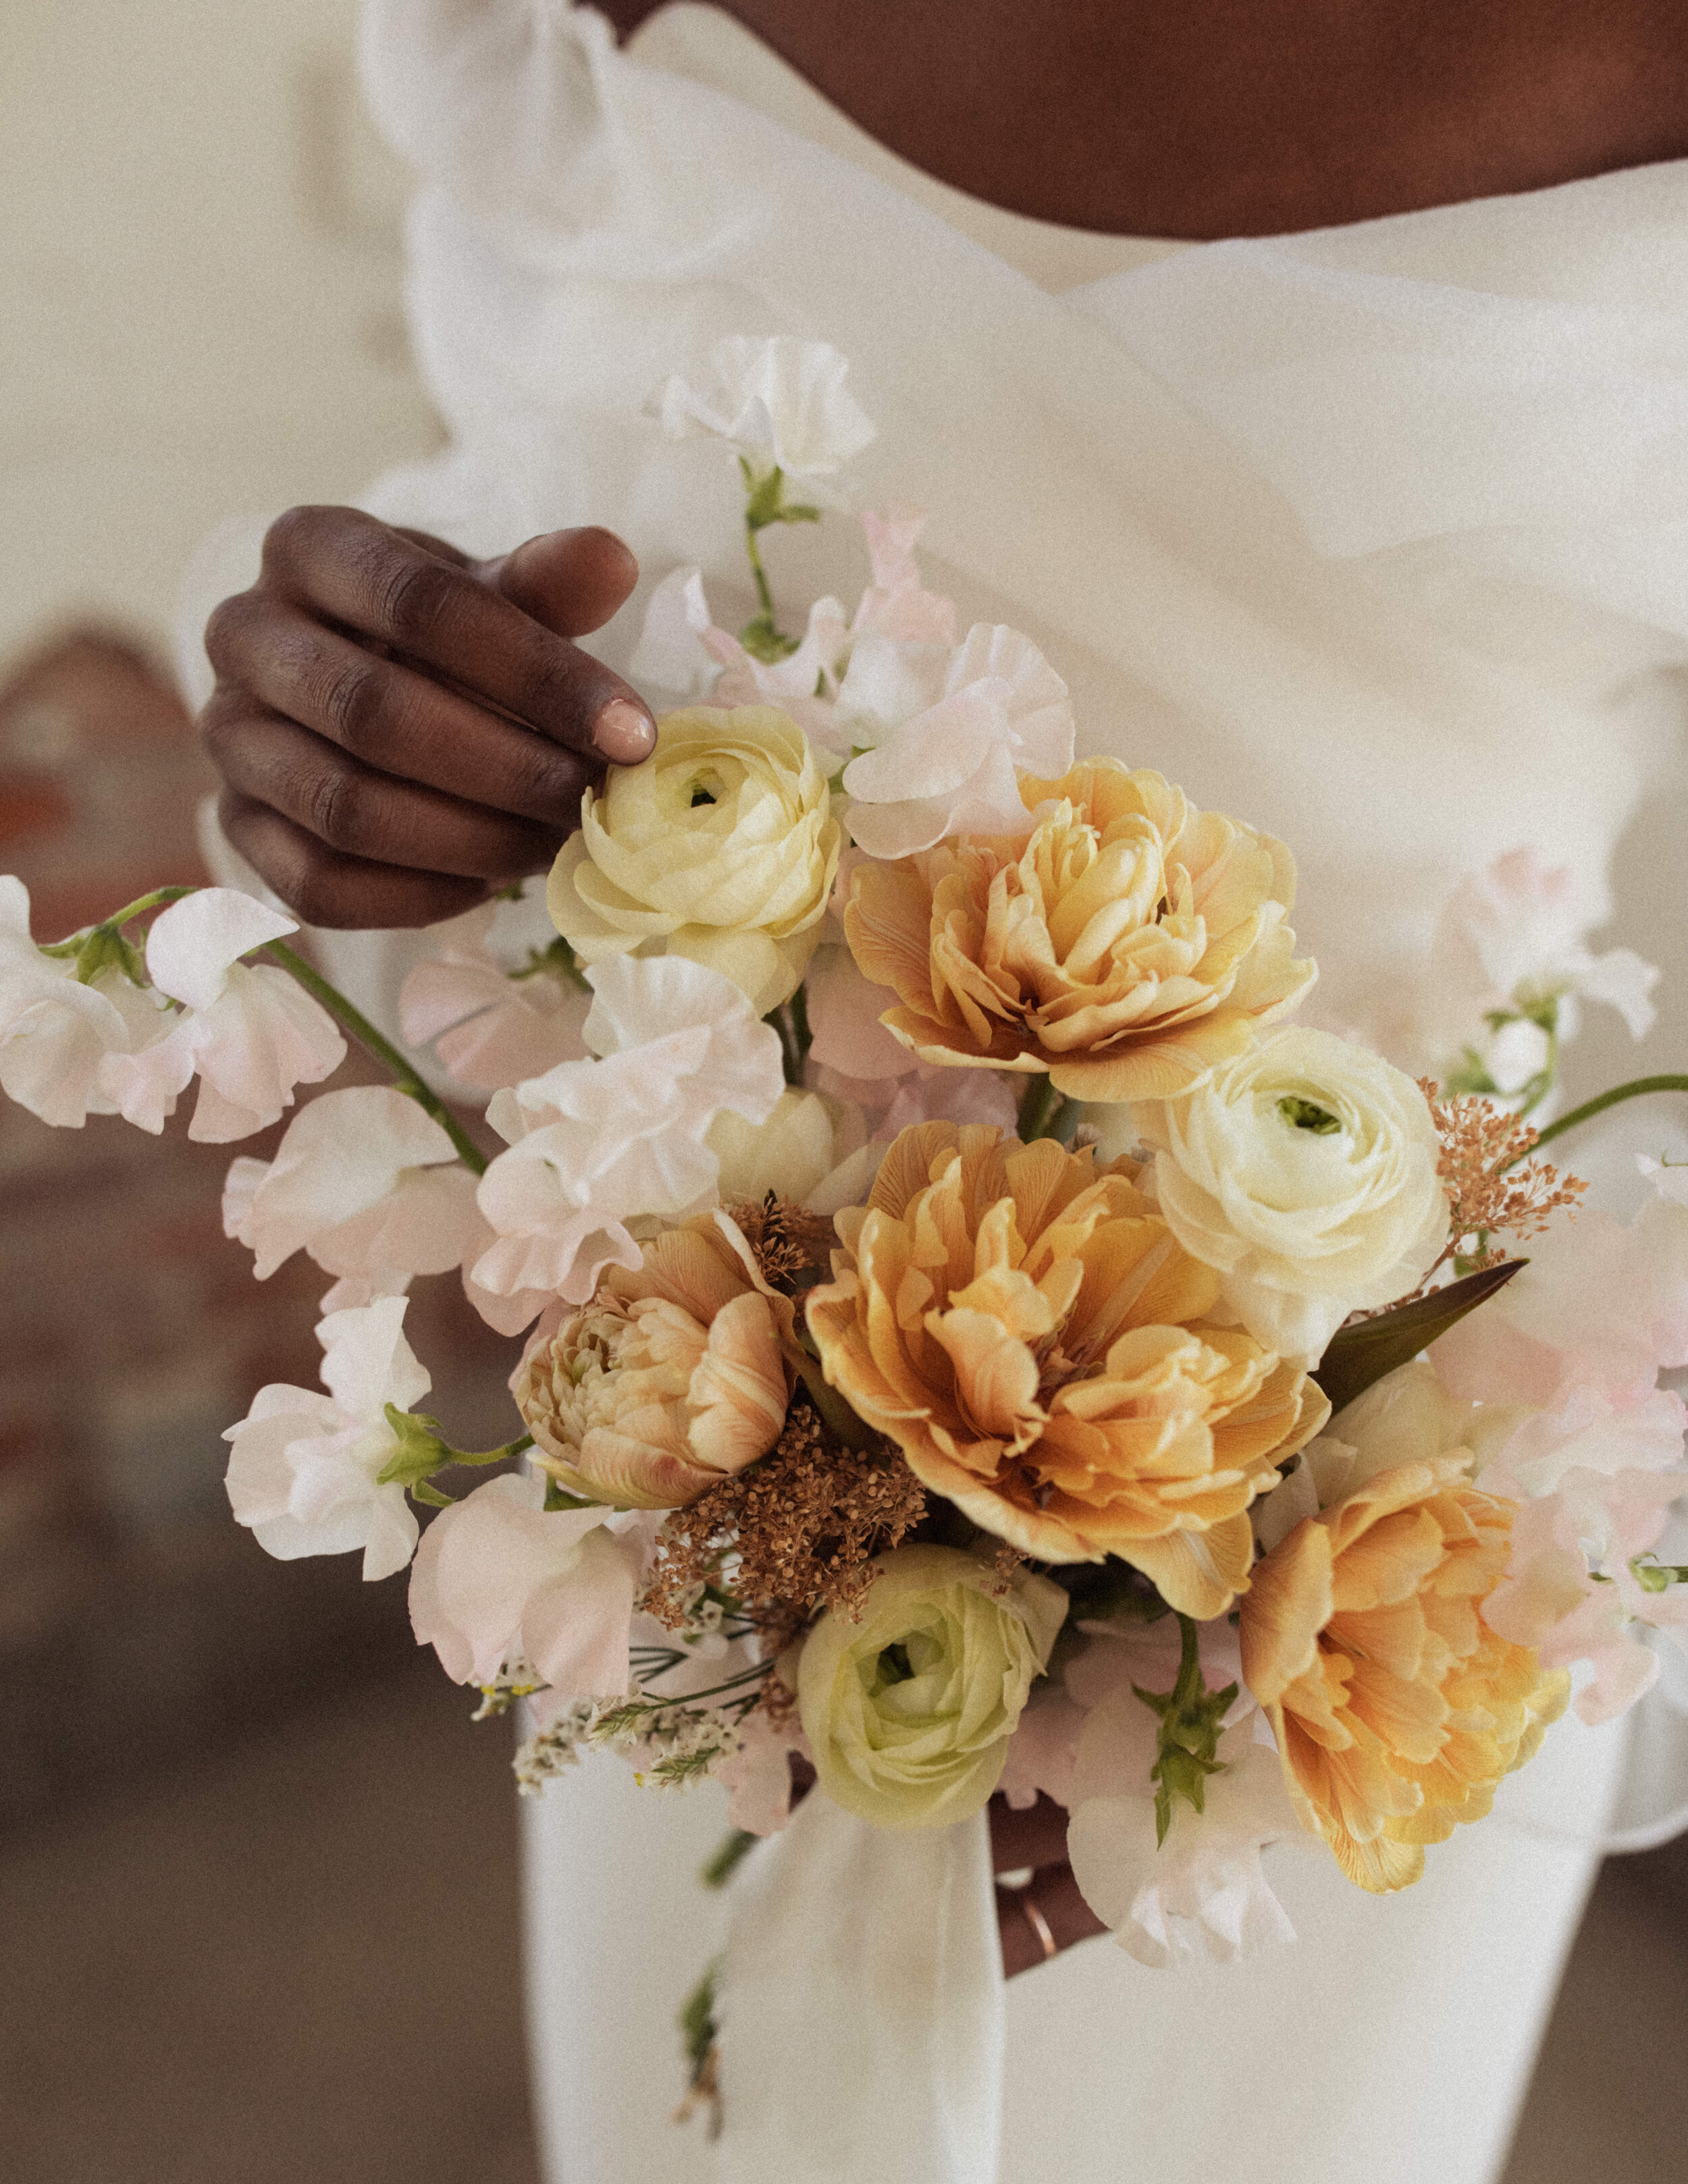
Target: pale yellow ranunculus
{"points": [[720, 847], [909, 1711]]}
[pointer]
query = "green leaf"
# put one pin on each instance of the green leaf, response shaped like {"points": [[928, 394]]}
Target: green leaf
{"points": [[727, 1857], [421, 1491], [1358, 1356]]}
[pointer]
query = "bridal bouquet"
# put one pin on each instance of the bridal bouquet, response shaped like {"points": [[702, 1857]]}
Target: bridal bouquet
{"points": [[976, 1338]]}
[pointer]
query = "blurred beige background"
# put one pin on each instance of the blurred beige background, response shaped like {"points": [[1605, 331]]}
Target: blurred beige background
{"points": [[258, 1890]]}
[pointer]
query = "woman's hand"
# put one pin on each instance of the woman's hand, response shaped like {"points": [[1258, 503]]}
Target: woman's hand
{"points": [[1048, 1914], [401, 730]]}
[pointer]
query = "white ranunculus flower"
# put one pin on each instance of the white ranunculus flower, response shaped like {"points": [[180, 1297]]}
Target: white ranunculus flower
{"points": [[779, 400], [1304, 1173], [909, 1710], [804, 1144], [304, 1467], [720, 847]]}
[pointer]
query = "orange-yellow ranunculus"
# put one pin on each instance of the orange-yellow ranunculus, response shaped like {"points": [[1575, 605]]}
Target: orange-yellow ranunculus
{"points": [[1396, 1708], [1130, 944], [1036, 1340], [675, 1376]]}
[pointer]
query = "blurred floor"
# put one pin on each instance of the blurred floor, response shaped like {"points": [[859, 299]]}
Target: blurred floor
{"points": [[297, 1959]]}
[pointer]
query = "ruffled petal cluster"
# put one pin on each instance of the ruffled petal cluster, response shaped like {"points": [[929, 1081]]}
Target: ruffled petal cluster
{"points": [[720, 847], [1033, 1336], [679, 1373], [1125, 947], [59, 1037], [1396, 1707]]}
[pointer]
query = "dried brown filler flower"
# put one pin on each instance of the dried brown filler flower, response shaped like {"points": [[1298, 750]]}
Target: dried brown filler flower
{"points": [[1489, 1193], [792, 1246], [803, 1524]]}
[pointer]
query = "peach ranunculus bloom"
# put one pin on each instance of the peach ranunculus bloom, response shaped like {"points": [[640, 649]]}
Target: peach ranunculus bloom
{"points": [[1036, 1341], [1125, 946], [677, 1374], [1396, 1708]]}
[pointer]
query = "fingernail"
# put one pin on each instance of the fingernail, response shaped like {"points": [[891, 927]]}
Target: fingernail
{"points": [[623, 733]]}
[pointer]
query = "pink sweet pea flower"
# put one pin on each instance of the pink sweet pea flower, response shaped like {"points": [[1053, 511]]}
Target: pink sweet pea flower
{"points": [[366, 1183], [304, 1468], [490, 1029], [55, 1032], [504, 1591], [594, 1144], [249, 1031]]}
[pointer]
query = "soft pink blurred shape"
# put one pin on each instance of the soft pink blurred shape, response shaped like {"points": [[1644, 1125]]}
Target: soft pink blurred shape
{"points": [[1600, 1305], [1515, 932], [1551, 1598], [594, 1145], [854, 1057], [366, 1183], [250, 1032], [951, 766], [1203, 1893], [489, 1029], [500, 1586], [757, 1776], [1044, 1749], [896, 604], [304, 1467], [802, 685], [56, 1033]]}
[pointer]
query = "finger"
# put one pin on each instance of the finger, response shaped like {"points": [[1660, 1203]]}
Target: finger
{"points": [[323, 886], [570, 580], [353, 808], [385, 713], [1035, 1836], [342, 563], [1056, 1894]]}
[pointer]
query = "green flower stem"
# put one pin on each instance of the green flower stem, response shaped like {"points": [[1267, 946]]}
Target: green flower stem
{"points": [[404, 1077], [1041, 1107], [520, 1446], [1633, 1090], [154, 900], [764, 597]]}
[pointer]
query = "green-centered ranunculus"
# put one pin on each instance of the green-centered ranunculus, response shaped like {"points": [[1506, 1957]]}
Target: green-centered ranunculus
{"points": [[721, 847], [909, 1711]]}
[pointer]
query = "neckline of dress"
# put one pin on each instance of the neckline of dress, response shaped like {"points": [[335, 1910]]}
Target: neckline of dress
{"points": [[1045, 250]]}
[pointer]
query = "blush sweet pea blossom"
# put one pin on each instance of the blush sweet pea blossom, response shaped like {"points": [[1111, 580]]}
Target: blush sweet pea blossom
{"points": [[594, 1145], [56, 1034], [490, 1006], [1203, 1892], [505, 1592], [248, 1031], [778, 400], [946, 759], [366, 1183], [304, 1467]]}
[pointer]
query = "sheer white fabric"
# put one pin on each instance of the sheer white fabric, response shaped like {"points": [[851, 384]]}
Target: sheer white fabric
{"points": [[1378, 535]]}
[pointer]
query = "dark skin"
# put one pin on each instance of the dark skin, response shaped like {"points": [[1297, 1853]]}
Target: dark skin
{"points": [[402, 731]]}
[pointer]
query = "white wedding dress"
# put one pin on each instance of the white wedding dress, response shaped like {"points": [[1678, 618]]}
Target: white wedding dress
{"points": [[1378, 536]]}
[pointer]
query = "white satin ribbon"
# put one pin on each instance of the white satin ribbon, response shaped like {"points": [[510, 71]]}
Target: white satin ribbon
{"points": [[862, 2007]]}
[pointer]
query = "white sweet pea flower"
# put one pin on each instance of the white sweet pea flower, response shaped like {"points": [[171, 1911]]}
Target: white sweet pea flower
{"points": [[1508, 959], [249, 1031], [369, 1185], [505, 1592], [1304, 1173], [55, 1032], [1203, 1892], [896, 604], [778, 400], [1669, 1178], [594, 1145], [492, 1007], [303, 1467], [947, 761]]}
